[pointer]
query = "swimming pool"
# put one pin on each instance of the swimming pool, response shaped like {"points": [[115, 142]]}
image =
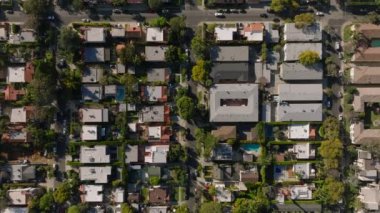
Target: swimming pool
{"points": [[120, 93], [375, 43], [251, 148]]}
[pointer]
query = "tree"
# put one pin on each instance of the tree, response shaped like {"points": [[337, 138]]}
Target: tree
{"points": [[209, 207], [71, 79], [260, 132], [177, 153], [69, 41], [200, 71], [308, 57], [373, 17], [332, 70], [304, 20], [264, 52], [174, 55], [62, 193], [46, 202], [256, 204], [212, 190], [331, 192], [36, 7], [73, 209], [158, 22], [154, 4], [77, 5], [130, 55], [118, 3], [199, 47], [209, 144], [331, 152], [186, 107], [177, 31], [125, 208], [154, 180], [283, 5], [330, 128], [182, 209]]}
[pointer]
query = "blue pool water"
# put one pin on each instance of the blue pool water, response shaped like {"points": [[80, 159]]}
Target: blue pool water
{"points": [[120, 93], [249, 148]]}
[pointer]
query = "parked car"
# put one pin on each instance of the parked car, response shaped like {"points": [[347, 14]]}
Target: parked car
{"points": [[340, 117], [305, 9], [85, 20], [319, 13], [117, 11], [242, 11], [339, 95], [219, 15], [51, 18], [9, 11], [328, 103], [337, 45], [165, 11], [263, 15], [269, 10], [234, 11], [276, 20]]}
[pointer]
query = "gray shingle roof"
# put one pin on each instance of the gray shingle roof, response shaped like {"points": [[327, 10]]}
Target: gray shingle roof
{"points": [[155, 53], [230, 53], [230, 71], [297, 71], [293, 50], [235, 111], [299, 112], [300, 92], [309, 33]]}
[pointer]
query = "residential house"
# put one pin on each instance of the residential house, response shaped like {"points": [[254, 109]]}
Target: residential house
{"points": [[158, 196], [159, 134], [97, 154], [312, 33], [229, 2], [294, 173], [224, 133], [133, 30], [299, 131], [155, 53], [365, 95], [4, 32], [304, 171], [222, 152], [360, 135], [92, 74], [303, 151], [16, 134], [21, 197], [231, 72], [223, 33], [254, 32], [299, 112], [118, 195], [369, 196], [23, 172], [369, 55], [365, 75], [156, 154], [297, 72], [22, 114], [92, 92], [249, 176], [295, 192], [95, 35], [13, 94], [132, 154], [89, 133], [300, 92], [98, 174], [158, 74], [157, 209], [92, 115], [155, 35], [223, 195], [133, 197], [230, 54], [154, 93], [15, 210], [20, 74], [271, 33], [96, 54], [91, 193], [118, 31], [368, 166], [292, 51], [27, 36], [234, 103], [370, 31], [156, 114]]}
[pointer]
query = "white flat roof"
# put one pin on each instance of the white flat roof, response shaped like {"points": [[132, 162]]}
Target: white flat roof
{"points": [[254, 36], [89, 132], [99, 174], [225, 33], [298, 131], [153, 92], [95, 34], [154, 132], [94, 115], [304, 151], [154, 34], [118, 195], [17, 196], [93, 193], [18, 115], [16, 74], [156, 154], [97, 154]]}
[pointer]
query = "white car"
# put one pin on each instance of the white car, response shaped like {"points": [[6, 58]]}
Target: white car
{"points": [[319, 13], [337, 45], [340, 117], [218, 14]]}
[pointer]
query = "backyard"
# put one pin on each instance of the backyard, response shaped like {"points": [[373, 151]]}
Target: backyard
{"points": [[372, 117]]}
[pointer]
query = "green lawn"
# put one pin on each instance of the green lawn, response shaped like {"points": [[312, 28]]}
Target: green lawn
{"points": [[347, 33], [180, 194]]}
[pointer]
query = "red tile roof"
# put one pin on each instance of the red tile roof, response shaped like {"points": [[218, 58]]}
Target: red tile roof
{"points": [[12, 94]]}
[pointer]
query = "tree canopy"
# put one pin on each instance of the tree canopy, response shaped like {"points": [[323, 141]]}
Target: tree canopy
{"points": [[158, 22], [177, 32], [118, 2], [331, 152], [256, 204], [62, 193], [308, 57], [154, 4], [186, 107], [206, 141], [304, 20], [284, 5], [200, 71], [182, 209], [46, 202], [199, 47], [36, 7], [73, 209], [125, 208], [130, 55], [69, 41], [330, 128], [331, 192], [174, 55], [209, 207], [177, 153]]}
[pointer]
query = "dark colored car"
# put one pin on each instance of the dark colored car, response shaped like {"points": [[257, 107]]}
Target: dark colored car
{"points": [[263, 15], [243, 11]]}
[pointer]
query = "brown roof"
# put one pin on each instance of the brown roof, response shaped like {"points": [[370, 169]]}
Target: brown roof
{"points": [[12, 94], [133, 31], [225, 132], [133, 197], [249, 176], [158, 196], [370, 31], [254, 27], [229, 2], [29, 72], [371, 54], [365, 75], [365, 95], [363, 136]]}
